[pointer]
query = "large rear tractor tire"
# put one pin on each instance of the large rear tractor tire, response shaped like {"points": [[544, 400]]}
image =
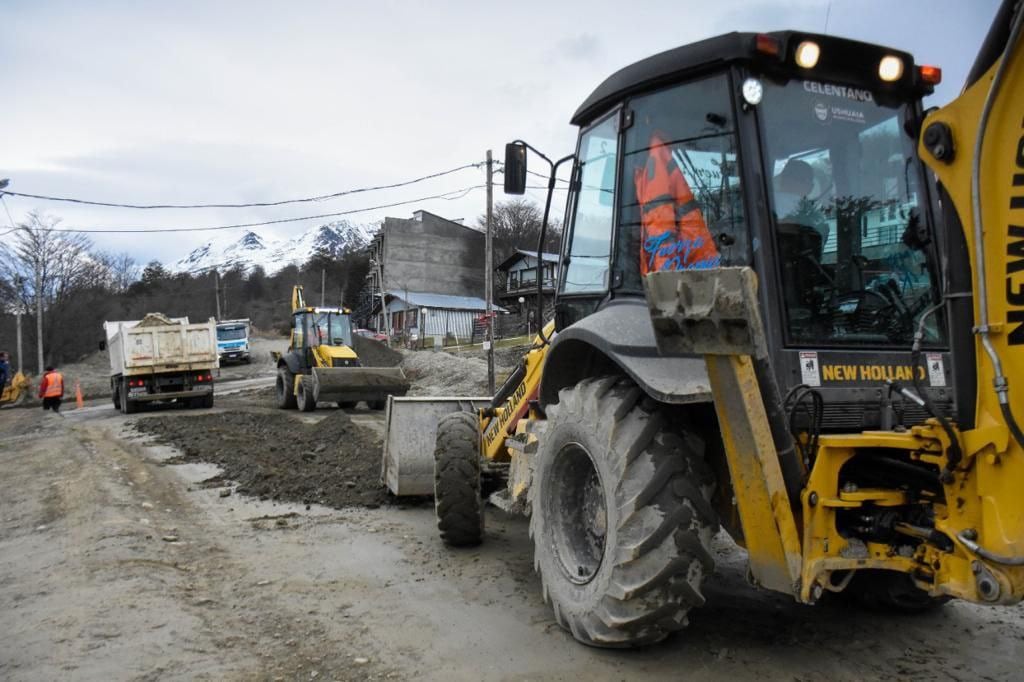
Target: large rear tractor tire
{"points": [[891, 591], [621, 519], [457, 501], [304, 398], [284, 389]]}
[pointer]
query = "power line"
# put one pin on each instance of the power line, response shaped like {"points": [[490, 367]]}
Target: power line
{"points": [[448, 196], [323, 197]]}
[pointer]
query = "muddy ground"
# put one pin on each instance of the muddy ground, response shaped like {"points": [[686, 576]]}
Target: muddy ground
{"points": [[121, 557], [273, 456]]}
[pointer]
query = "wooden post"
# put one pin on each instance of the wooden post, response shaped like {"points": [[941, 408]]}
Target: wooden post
{"points": [[216, 290], [489, 275], [21, 366], [39, 314]]}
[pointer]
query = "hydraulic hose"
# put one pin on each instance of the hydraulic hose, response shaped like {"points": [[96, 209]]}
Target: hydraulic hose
{"points": [[983, 330]]}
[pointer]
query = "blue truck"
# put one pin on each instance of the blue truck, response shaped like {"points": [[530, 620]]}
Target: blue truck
{"points": [[233, 341]]}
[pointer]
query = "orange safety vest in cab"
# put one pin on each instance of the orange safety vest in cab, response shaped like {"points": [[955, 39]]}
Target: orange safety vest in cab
{"points": [[53, 385], [674, 235]]}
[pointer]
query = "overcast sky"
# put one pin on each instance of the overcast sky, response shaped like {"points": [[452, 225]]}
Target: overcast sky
{"points": [[197, 102]]}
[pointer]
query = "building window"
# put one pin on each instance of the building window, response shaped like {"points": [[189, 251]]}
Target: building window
{"points": [[513, 280]]}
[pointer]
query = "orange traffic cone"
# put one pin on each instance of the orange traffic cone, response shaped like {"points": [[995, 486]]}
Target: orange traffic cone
{"points": [[79, 402]]}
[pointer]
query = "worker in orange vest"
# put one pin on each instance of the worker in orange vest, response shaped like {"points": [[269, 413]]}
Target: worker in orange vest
{"points": [[674, 235], [51, 389]]}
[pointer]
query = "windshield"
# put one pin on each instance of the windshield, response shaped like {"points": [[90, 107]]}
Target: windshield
{"points": [[855, 265], [230, 333], [331, 329]]}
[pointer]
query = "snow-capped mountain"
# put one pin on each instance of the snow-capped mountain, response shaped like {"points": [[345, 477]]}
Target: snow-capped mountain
{"points": [[251, 249]]}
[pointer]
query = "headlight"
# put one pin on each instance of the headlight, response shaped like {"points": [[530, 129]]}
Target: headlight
{"points": [[890, 68], [752, 91], [807, 54]]}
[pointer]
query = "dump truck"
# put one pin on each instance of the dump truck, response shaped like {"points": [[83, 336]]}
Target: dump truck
{"points": [[233, 341], [159, 359], [771, 320], [321, 365]]}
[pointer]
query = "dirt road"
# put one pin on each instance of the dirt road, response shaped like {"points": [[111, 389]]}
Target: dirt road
{"points": [[115, 566]]}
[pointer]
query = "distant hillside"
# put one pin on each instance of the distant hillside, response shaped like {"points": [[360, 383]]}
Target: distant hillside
{"points": [[251, 249]]}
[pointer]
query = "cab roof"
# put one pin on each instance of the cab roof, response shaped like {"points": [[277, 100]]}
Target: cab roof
{"points": [[841, 60]]}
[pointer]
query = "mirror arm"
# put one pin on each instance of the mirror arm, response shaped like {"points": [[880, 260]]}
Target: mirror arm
{"points": [[552, 179]]}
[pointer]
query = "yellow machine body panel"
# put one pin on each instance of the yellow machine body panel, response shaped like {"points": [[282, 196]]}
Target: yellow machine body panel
{"points": [[16, 391]]}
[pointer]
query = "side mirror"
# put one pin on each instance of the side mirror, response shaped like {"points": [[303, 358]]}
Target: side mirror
{"points": [[515, 168], [103, 345]]}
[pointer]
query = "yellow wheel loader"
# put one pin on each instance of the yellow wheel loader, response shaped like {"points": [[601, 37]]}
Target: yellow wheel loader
{"points": [[320, 365], [16, 391], [772, 320]]}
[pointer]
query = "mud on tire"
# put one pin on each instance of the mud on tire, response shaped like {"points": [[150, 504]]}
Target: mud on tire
{"points": [[305, 398], [621, 520], [457, 501], [284, 390]]}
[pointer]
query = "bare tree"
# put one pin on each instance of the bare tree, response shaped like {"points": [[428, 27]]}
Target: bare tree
{"points": [[121, 270], [43, 267], [516, 224]]}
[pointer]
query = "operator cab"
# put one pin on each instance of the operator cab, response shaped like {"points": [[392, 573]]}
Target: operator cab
{"points": [[327, 327], [790, 153]]}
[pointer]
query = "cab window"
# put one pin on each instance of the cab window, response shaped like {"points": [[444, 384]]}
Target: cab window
{"points": [[681, 206], [589, 253]]}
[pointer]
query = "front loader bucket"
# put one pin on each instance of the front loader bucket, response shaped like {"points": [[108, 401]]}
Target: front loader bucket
{"points": [[352, 384], [410, 428]]}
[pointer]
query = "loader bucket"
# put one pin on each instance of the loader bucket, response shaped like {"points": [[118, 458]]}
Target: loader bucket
{"points": [[352, 384], [410, 427]]}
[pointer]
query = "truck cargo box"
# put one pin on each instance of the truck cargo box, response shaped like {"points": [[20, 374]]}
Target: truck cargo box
{"points": [[158, 343]]}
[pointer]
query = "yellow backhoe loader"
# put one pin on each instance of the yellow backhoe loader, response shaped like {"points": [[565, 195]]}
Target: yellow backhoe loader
{"points": [[321, 366], [770, 319], [16, 391]]}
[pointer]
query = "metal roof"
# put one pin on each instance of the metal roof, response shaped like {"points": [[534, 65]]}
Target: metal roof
{"points": [[425, 300], [520, 253]]}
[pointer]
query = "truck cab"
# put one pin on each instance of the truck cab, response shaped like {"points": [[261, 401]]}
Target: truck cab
{"points": [[233, 341]]}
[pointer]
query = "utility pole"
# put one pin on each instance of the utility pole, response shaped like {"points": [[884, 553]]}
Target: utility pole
{"points": [[39, 312], [216, 290], [17, 317], [489, 275], [323, 287]]}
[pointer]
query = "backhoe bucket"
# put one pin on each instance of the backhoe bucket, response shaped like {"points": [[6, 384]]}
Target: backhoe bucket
{"points": [[352, 384], [410, 428]]}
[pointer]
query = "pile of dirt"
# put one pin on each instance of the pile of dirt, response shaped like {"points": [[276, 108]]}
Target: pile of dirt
{"points": [[277, 457], [374, 353], [443, 374]]}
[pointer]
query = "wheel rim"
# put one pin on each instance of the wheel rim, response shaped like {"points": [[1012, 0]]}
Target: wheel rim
{"points": [[577, 516]]}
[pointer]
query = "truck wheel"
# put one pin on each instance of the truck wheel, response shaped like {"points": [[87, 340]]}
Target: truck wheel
{"points": [[116, 399], [206, 400], [377, 404], [304, 399], [128, 406], [284, 389], [457, 501], [878, 590], [621, 520]]}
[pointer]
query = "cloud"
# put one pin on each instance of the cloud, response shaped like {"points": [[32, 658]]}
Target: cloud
{"points": [[582, 47]]}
